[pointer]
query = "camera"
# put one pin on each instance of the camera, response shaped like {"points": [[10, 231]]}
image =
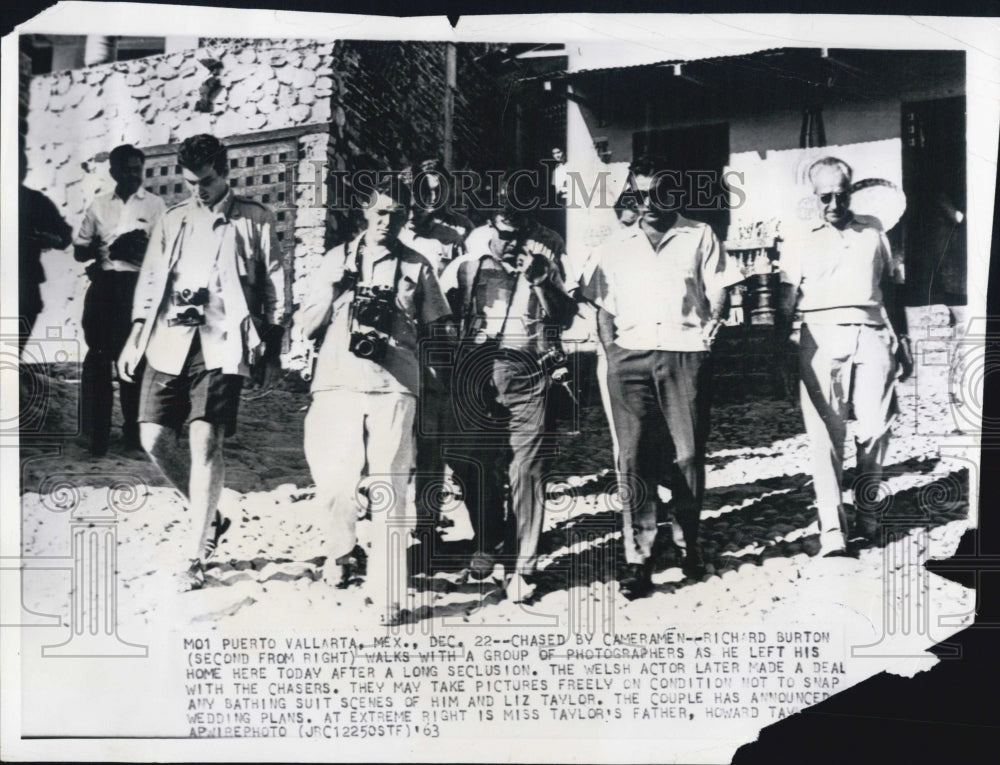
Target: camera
{"points": [[372, 312], [551, 360], [193, 302]]}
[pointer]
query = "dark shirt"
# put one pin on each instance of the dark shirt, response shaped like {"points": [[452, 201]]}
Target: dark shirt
{"points": [[36, 215]]}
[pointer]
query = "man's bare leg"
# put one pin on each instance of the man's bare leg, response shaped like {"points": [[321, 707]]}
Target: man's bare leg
{"points": [[164, 447], [207, 475], [197, 473]]}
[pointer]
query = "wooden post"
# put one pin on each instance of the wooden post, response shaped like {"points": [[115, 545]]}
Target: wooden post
{"points": [[451, 82]]}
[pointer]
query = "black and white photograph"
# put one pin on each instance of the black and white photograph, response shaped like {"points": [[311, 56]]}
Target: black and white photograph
{"points": [[554, 388]]}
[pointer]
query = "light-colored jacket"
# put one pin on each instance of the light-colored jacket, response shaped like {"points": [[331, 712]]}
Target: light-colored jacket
{"points": [[252, 240]]}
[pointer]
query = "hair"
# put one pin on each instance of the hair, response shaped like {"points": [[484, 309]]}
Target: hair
{"points": [[200, 150], [391, 185], [648, 164], [120, 155], [829, 162], [420, 175]]}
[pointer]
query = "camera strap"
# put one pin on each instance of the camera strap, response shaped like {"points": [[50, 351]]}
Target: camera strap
{"points": [[357, 267]]}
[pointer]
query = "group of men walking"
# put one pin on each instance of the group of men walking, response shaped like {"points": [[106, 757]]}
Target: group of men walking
{"points": [[439, 344]]}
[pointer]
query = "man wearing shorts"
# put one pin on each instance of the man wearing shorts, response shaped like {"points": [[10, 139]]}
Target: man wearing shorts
{"points": [[209, 307]]}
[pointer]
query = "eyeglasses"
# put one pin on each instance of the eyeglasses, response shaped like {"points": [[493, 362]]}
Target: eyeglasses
{"points": [[840, 196]]}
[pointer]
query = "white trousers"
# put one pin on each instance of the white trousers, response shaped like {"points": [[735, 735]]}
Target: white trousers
{"points": [[844, 364], [359, 447]]}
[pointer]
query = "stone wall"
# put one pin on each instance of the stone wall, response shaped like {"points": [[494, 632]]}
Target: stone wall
{"points": [[77, 116], [380, 104]]}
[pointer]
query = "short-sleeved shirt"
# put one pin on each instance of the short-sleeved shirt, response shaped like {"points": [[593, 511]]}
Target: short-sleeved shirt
{"points": [[109, 216], [418, 303], [661, 298], [839, 272], [437, 242]]}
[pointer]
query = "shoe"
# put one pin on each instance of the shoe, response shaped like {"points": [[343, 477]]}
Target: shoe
{"points": [[481, 565], [694, 564], [350, 570], [361, 560], [866, 526], [192, 579], [395, 615], [636, 581], [221, 524], [519, 589]]}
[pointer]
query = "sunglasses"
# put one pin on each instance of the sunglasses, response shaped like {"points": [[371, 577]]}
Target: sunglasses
{"points": [[840, 196]]}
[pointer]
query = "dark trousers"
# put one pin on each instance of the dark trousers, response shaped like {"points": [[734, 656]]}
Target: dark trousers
{"points": [[522, 392], [503, 439], [650, 389], [107, 321]]}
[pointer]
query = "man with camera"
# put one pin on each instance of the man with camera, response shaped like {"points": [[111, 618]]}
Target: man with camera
{"points": [[842, 278], [510, 295], [209, 311], [660, 288], [114, 234], [372, 302]]}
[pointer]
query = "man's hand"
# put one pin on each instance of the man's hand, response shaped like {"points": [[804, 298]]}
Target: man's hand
{"points": [[535, 267], [131, 354], [710, 331], [534, 247], [904, 357], [265, 367]]}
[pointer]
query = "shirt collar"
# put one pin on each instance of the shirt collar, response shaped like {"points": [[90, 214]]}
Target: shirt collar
{"points": [[681, 226], [140, 193], [852, 223], [224, 207]]}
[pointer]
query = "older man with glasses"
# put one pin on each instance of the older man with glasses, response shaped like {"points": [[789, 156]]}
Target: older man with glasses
{"points": [[842, 278]]}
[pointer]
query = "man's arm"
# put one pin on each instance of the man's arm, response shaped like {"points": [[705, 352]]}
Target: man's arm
{"points": [[605, 327], [87, 242], [53, 233], [895, 309], [545, 279], [146, 299], [316, 310]]}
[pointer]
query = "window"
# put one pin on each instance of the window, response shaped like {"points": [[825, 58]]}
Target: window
{"points": [[149, 172], [233, 182], [234, 162], [265, 178], [282, 157], [281, 196], [281, 236], [265, 198], [178, 188], [266, 160], [163, 190], [250, 161], [281, 216], [281, 177], [248, 180], [163, 170]]}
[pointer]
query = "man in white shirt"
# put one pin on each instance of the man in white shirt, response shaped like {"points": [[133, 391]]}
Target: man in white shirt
{"points": [[114, 234], [660, 288], [842, 278], [209, 310], [374, 301]]}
